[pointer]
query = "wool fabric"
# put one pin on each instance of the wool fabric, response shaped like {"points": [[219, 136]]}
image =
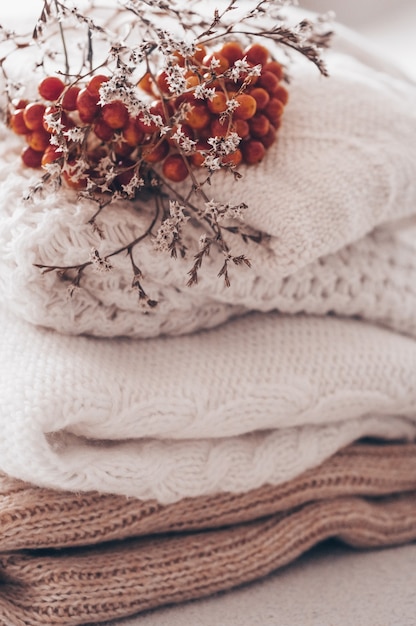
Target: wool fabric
{"points": [[258, 400], [35, 518], [116, 580], [330, 196], [363, 495]]}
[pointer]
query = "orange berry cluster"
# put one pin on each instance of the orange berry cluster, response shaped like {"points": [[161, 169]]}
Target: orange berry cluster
{"points": [[257, 98]]}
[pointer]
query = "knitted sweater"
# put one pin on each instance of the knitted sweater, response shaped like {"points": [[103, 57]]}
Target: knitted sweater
{"points": [[258, 400], [68, 558], [343, 166]]}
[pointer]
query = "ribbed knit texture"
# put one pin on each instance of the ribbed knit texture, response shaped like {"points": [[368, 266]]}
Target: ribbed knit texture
{"points": [[351, 496], [344, 164]]}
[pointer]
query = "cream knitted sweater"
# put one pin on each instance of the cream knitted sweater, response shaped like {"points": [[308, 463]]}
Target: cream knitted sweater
{"points": [[344, 166], [256, 401]]}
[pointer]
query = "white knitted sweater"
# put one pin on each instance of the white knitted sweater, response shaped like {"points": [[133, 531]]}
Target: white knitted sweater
{"points": [[259, 399], [344, 165]]}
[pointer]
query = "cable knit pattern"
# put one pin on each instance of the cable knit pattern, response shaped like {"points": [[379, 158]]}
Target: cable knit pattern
{"points": [[344, 166], [258, 400]]}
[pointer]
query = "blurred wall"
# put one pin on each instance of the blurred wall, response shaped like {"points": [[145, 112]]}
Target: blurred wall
{"points": [[358, 13]]}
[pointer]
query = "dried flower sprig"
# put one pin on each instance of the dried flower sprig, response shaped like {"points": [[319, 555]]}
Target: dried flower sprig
{"points": [[152, 103]]}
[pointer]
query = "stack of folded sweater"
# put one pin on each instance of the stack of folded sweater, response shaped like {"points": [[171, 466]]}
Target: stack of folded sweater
{"points": [[140, 469]]}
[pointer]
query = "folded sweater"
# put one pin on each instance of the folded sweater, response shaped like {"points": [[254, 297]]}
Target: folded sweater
{"points": [[329, 197]]}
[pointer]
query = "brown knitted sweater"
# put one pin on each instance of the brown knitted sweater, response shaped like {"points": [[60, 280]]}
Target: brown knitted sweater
{"points": [[86, 558]]}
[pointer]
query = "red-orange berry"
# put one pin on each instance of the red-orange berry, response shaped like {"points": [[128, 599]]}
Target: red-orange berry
{"points": [[38, 140], [102, 130], [198, 117], [282, 94], [275, 68], [261, 97], [95, 83], [115, 114], [269, 138], [50, 155], [253, 151], [59, 115], [122, 148], [50, 88], [17, 123], [257, 54], [72, 180], [259, 125], [33, 115], [232, 51], [197, 158], [174, 168], [132, 133], [233, 159], [192, 80], [146, 83], [219, 62], [199, 54], [31, 158], [126, 173], [53, 111], [219, 129], [155, 153], [274, 111], [269, 82], [188, 96], [146, 128], [179, 59], [247, 107], [19, 103], [69, 98], [162, 108], [218, 104], [162, 82], [87, 106], [242, 128]]}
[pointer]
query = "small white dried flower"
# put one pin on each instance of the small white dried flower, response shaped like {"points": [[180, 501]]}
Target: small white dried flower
{"points": [[76, 134], [214, 64], [211, 210], [54, 123], [175, 78], [99, 263], [254, 71], [240, 67], [235, 212], [53, 169], [165, 235], [176, 211], [203, 240], [203, 92], [134, 184], [105, 165], [222, 146], [232, 105], [212, 163]]}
